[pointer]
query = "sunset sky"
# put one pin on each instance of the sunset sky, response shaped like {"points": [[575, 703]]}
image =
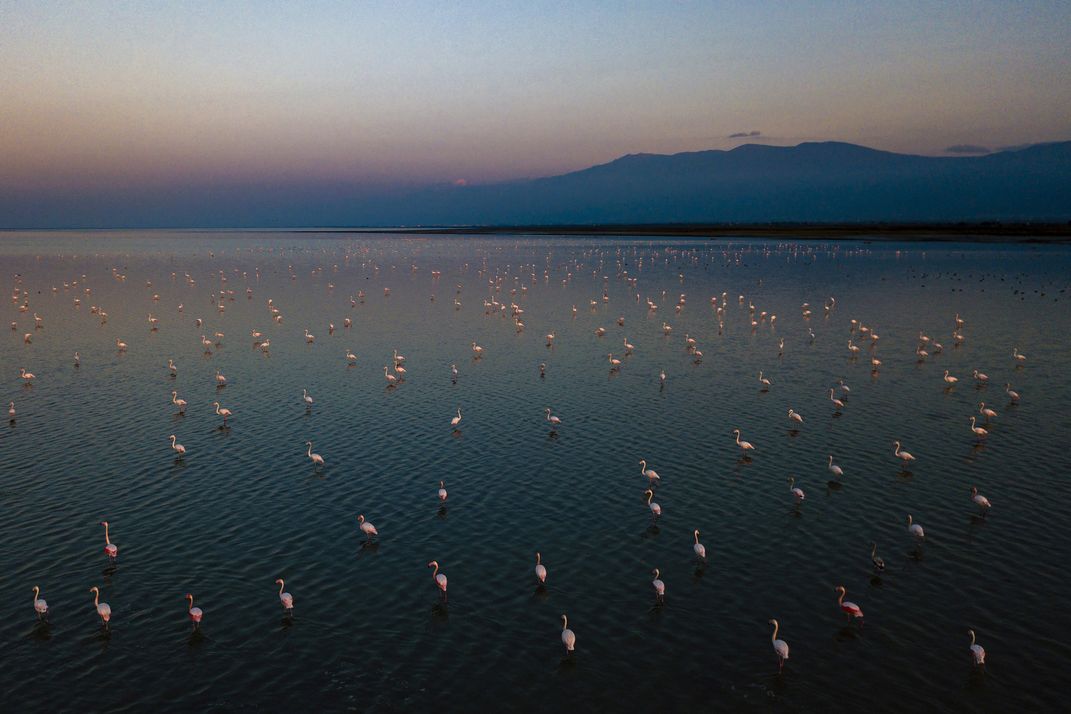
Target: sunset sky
{"points": [[102, 98]]}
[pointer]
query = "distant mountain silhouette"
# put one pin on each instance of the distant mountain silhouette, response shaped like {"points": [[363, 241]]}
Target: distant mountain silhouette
{"points": [[811, 182]]}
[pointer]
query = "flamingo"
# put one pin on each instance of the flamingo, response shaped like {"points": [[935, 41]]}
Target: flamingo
{"points": [[456, 420], [309, 339], [656, 510], [550, 339], [852, 348], [172, 368], [843, 387], [477, 350], [367, 528], [981, 501], [399, 370], [985, 411], [555, 422], [285, 598], [110, 549], [398, 359], [206, 343], [11, 411], [391, 379], [797, 493], [439, 578], [879, 564], [651, 474], [838, 404], [39, 604], [659, 586], [77, 360], [699, 548], [453, 372], [179, 448], [120, 345], [914, 528], [780, 646], [442, 492], [180, 403], [793, 416], [763, 381], [1012, 394], [306, 398], [978, 431], [221, 381], [351, 358], [316, 459], [848, 607], [977, 651], [27, 377], [902, 455], [1020, 358], [628, 347], [833, 468], [950, 380], [195, 612], [568, 638], [104, 610], [745, 446], [615, 364], [225, 413], [540, 569], [662, 376], [980, 377]]}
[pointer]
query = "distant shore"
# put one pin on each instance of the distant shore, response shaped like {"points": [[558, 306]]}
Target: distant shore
{"points": [[988, 232]]}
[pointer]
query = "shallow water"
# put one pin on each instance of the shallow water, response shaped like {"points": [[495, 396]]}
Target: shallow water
{"points": [[246, 506]]}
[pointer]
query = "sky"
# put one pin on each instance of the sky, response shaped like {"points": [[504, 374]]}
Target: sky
{"points": [[101, 100]]}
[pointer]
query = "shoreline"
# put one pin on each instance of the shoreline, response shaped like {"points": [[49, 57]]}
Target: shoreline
{"points": [[979, 232]]}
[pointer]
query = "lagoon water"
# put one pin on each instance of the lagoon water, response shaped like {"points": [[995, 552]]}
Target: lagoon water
{"points": [[369, 633]]}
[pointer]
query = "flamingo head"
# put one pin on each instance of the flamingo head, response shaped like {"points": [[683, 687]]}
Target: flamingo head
{"points": [[104, 523], [360, 518], [656, 572], [279, 581], [433, 564]]}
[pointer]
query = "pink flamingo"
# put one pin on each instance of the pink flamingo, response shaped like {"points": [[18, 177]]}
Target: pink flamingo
{"points": [[848, 607], [439, 578], [195, 612], [39, 604], [110, 549], [977, 651], [286, 599], [540, 569], [568, 638], [780, 647], [367, 528], [103, 608]]}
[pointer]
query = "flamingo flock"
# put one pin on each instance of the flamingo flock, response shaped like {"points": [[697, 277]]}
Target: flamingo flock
{"points": [[862, 341]]}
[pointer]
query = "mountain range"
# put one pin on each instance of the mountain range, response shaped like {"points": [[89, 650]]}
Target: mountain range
{"points": [[810, 182]]}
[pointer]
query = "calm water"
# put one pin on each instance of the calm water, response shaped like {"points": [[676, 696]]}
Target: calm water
{"points": [[369, 633]]}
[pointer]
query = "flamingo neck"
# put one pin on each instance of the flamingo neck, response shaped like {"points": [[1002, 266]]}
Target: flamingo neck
{"points": [[96, 597], [773, 637], [107, 540], [840, 600], [281, 585]]}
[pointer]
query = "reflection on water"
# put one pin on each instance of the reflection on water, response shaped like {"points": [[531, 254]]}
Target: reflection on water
{"points": [[246, 505]]}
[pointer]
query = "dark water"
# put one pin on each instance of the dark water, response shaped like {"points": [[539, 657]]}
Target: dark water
{"points": [[369, 632]]}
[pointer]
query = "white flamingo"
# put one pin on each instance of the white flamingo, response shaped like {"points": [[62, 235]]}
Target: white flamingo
{"points": [[780, 646], [977, 651], [438, 578], [568, 638], [699, 549], [223, 412], [285, 598], [659, 586], [745, 446], [904, 456], [833, 468], [793, 416], [555, 421], [391, 379], [367, 528], [104, 610], [442, 492], [456, 420], [180, 403], [978, 431], [797, 493], [656, 510], [316, 459], [39, 604], [763, 381], [306, 398], [180, 450], [836, 402], [651, 474], [979, 500], [914, 528], [540, 569]]}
